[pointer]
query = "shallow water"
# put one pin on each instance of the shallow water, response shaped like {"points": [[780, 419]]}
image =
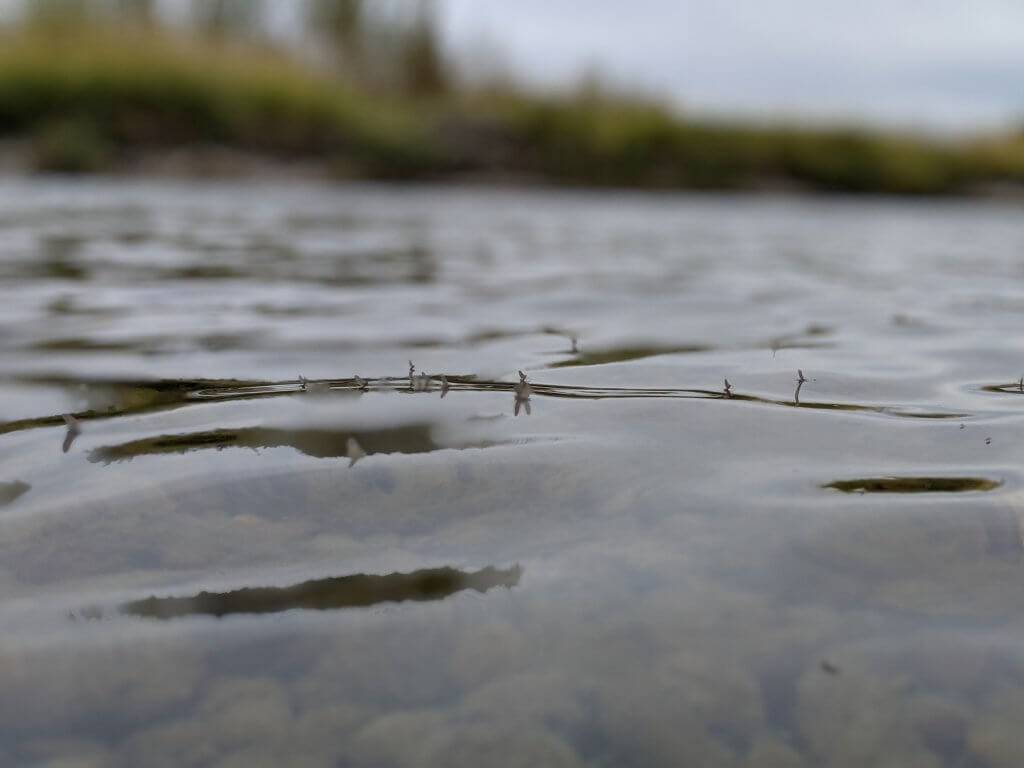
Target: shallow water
{"points": [[213, 561]]}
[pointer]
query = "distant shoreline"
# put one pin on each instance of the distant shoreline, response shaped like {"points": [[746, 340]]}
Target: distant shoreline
{"points": [[223, 163]]}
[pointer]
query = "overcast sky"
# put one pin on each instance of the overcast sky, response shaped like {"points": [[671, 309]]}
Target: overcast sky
{"points": [[945, 64], [939, 64]]}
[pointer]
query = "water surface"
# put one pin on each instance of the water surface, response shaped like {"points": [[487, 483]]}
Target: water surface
{"points": [[256, 540]]}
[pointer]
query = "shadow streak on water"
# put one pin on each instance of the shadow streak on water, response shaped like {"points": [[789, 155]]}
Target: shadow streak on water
{"points": [[914, 484], [356, 591]]}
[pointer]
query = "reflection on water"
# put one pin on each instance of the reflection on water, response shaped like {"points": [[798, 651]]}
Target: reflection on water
{"points": [[767, 521], [624, 355], [1017, 388], [72, 431], [10, 491], [914, 484], [357, 591], [320, 443]]}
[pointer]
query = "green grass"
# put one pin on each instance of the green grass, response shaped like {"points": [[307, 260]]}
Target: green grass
{"points": [[102, 91], [88, 98]]}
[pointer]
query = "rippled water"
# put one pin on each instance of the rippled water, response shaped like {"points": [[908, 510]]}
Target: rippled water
{"points": [[233, 530]]}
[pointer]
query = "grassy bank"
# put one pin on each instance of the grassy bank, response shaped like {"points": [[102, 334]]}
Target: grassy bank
{"points": [[90, 99], [94, 99]]}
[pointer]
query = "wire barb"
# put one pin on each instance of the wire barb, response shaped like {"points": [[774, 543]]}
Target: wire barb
{"points": [[522, 393]]}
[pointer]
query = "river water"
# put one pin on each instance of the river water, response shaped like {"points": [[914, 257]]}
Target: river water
{"points": [[233, 531]]}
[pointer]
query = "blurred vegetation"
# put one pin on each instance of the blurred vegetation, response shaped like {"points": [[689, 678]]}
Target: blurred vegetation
{"points": [[112, 95], [93, 84], [219, 19]]}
